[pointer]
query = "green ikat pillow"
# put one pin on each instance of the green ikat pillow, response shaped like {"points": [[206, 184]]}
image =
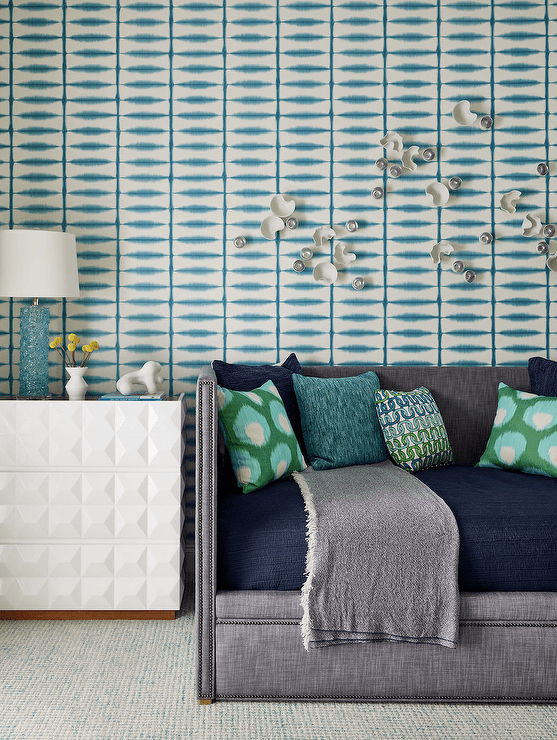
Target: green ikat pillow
{"points": [[524, 434], [413, 428], [258, 435]]}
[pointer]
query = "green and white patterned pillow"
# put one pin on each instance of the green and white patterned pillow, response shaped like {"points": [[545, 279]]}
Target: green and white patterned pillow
{"points": [[524, 434], [413, 429], [258, 435]]}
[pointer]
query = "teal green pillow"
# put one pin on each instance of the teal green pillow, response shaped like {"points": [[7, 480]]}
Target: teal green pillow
{"points": [[524, 434], [339, 423], [258, 435], [413, 429]]}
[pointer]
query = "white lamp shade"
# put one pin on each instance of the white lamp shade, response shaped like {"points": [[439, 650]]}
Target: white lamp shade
{"points": [[38, 264]]}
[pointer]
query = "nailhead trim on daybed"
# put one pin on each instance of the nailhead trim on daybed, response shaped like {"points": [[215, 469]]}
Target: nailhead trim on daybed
{"points": [[205, 639]]}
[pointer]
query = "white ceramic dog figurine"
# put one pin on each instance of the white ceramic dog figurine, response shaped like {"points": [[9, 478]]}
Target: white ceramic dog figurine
{"points": [[150, 376]]}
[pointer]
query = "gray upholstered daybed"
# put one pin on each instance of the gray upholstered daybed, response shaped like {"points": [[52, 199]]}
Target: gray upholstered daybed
{"points": [[249, 642]]}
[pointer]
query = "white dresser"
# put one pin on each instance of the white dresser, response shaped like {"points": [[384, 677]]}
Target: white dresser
{"points": [[91, 507]]}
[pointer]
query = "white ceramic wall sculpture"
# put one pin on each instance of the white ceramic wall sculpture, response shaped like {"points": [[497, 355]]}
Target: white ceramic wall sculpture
{"points": [[442, 247], [325, 272], [341, 256], [463, 115], [551, 262], [322, 235], [149, 377], [531, 226], [283, 206], [509, 200], [271, 225], [392, 141], [408, 157], [438, 193]]}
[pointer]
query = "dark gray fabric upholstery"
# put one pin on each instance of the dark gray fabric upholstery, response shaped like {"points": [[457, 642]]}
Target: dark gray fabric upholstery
{"points": [[249, 643], [491, 663], [466, 396], [511, 606]]}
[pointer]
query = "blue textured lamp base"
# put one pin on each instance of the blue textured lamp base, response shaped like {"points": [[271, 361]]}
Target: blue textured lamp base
{"points": [[33, 351]]}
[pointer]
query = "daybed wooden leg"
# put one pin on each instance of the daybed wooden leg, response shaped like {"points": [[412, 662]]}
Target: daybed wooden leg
{"points": [[203, 702]]}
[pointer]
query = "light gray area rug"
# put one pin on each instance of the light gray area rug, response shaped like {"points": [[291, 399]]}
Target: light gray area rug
{"points": [[135, 681]]}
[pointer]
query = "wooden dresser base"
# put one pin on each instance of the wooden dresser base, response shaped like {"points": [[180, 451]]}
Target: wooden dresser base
{"points": [[87, 614]]}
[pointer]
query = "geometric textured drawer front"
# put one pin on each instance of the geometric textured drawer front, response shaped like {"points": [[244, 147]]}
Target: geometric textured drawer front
{"points": [[91, 433], [90, 577], [91, 505]]}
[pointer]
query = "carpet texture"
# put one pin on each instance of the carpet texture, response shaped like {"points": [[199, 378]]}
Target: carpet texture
{"points": [[135, 681]]}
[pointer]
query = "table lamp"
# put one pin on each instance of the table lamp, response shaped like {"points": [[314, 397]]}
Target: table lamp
{"points": [[36, 264]]}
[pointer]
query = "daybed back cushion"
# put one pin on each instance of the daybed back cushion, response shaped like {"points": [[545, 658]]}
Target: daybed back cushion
{"points": [[543, 376], [466, 396], [248, 377]]}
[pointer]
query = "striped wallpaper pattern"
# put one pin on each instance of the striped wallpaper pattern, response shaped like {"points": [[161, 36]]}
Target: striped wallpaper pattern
{"points": [[158, 131]]}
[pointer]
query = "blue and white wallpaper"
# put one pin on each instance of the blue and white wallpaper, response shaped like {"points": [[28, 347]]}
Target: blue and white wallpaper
{"points": [[158, 131]]}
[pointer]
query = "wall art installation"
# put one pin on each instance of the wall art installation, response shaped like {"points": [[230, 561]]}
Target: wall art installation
{"points": [[159, 149]]}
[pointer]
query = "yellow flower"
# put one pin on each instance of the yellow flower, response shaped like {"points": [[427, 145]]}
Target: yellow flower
{"points": [[87, 348], [75, 340], [94, 344], [56, 342], [71, 347]]}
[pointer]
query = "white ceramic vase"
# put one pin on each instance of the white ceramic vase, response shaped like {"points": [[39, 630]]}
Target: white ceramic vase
{"points": [[76, 387]]}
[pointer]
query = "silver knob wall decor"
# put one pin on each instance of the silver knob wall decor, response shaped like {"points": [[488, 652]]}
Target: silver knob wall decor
{"points": [[486, 122], [549, 230], [299, 265], [395, 170], [542, 247], [455, 183], [486, 237], [351, 225], [469, 276], [377, 193], [428, 154], [292, 223], [542, 169], [306, 253], [358, 283], [239, 242], [381, 163], [458, 266]]}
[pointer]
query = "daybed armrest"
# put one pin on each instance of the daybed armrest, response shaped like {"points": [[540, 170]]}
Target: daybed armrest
{"points": [[206, 427]]}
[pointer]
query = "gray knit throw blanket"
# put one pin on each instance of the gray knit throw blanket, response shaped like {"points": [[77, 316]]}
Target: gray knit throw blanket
{"points": [[382, 560]]}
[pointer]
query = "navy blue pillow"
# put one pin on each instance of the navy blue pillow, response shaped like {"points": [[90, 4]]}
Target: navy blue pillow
{"points": [[249, 377], [543, 376]]}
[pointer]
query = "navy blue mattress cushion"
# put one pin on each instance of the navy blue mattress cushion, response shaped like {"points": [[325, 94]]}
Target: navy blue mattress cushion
{"points": [[261, 538], [508, 527], [507, 523]]}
